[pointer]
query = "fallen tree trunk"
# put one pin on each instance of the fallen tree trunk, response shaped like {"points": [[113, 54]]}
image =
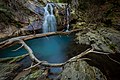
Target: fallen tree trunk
{"points": [[28, 37], [45, 63], [34, 59]]}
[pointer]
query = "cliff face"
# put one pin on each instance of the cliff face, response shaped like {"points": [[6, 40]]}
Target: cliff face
{"points": [[97, 11], [22, 17], [99, 21], [16, 15], [12, 16]]}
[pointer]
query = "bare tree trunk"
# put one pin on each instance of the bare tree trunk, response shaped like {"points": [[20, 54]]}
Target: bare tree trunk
{"points": [[46, 64], [28, 37]]}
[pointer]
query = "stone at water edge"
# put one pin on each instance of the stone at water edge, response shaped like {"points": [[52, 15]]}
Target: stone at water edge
{"points": [[8, 71], [80, 70]]}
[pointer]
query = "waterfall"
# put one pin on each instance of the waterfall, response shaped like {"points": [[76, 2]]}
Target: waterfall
{"points": [[67, 17], [49, 24], [68, 14]]}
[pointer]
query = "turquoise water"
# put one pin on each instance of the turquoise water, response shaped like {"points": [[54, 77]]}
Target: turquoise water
{"points": [[52, 49]]}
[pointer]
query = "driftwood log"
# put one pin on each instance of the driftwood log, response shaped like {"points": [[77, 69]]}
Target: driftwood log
{"points": [[46, 64], [21, 39], [12, 41]]}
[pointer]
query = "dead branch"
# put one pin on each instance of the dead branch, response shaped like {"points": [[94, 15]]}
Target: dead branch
{"points": [[32, 66], [45, 63], [34, 59], [18, 48], [28, 37], [113, 59]]}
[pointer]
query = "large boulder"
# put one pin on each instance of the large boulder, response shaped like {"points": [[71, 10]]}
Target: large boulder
{"points": [[102, 39], [8, 71], [80, 70]]}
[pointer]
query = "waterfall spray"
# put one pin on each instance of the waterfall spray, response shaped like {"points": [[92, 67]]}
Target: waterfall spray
{"points": [[49, 24]]}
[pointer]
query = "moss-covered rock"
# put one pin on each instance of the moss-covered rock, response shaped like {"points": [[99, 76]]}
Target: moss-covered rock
{"points": [[12, 59], [8, 71], [80, 70], [35, 75], [102, 39]]}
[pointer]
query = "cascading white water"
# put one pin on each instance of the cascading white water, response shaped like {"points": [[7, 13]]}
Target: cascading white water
{"points": [[67, 15], [49, 24]]}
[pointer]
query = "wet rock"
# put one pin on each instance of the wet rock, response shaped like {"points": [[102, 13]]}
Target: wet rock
{"points": [[35, 75], [34, 26], [102, 39], [8, 71], [34, 7], [60, 15], [80, 70]]}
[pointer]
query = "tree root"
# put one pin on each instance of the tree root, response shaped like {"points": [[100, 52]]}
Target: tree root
{"points": [[18, 48], [11, 41], [45, 63]]}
